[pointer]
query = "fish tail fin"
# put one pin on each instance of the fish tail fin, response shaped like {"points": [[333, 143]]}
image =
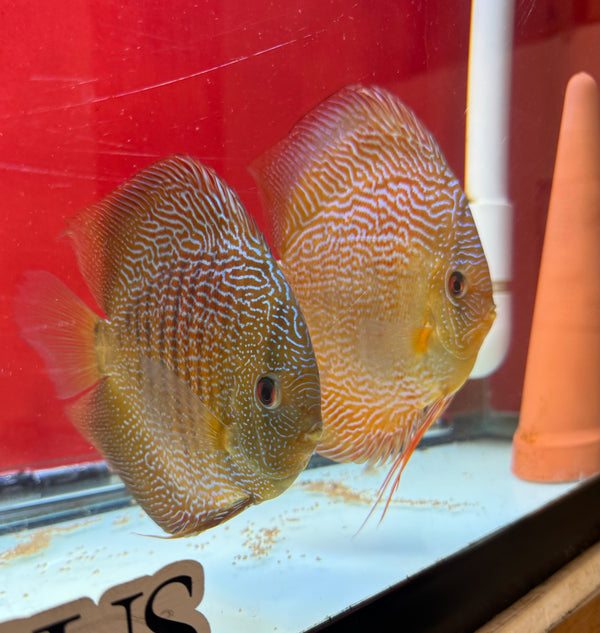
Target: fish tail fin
{"points": [[61, 328]]}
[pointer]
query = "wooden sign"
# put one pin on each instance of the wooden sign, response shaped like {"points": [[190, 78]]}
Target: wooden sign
{"points": [[165, 602]]}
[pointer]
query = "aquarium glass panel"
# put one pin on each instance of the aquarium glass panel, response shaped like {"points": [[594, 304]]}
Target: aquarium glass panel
{"points": [[288, 294]]}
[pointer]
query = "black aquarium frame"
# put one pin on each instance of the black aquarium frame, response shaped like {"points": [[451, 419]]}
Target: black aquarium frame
{"points": [[464, 591]]}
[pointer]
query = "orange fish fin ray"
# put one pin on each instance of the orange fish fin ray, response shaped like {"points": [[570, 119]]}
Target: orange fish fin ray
{"points": [[168, 210], [401, 460], [176, 413], [431, 415], [61, 328]]}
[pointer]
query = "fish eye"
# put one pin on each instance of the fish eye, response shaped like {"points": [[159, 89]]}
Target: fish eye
{"points": [[457, 285], [268, 392]]}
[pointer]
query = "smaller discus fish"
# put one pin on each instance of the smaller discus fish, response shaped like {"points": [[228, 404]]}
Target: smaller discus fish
{"points": [[200, 387], [378, 242]]}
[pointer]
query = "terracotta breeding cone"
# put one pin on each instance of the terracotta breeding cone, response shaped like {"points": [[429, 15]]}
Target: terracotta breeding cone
{"points": [[558, 438]]}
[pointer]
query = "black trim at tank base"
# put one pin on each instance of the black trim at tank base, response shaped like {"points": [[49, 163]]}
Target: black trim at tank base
{"points": [[466, 590]]}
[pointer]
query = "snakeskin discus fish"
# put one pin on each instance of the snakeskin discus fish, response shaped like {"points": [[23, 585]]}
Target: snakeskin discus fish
{"points": [[377, 240], [200, 387]]}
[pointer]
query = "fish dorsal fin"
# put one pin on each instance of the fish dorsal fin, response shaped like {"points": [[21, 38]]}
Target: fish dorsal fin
{"points": [[334, 145], [171, 210]]}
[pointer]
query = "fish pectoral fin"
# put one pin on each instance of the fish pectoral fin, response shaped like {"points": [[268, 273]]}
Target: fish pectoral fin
{"points": [[176, 414]]}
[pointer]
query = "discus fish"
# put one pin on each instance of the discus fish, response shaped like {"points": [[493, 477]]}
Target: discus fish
{"points": [[200, 387], [377, 240]]}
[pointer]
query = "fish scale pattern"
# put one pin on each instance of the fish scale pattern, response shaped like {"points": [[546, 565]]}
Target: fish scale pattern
{"points": [[197, 313], [371, 224]]}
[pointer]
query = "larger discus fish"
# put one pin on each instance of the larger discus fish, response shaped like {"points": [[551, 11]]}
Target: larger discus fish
{"points": [[378, 242], [200, 387]]}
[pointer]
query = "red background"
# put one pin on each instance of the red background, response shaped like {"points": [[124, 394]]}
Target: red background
{"points": [[90, 92]]}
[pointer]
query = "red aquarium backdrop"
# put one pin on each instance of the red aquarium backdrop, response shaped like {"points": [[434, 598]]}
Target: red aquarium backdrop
{"points": [[92, 91]]}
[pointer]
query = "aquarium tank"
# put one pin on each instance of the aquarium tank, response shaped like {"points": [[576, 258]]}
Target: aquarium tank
{"points": [[300, 319]]}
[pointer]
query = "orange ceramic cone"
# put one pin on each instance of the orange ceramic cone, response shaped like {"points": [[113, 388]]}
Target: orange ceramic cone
{"points": [[558, 438]]}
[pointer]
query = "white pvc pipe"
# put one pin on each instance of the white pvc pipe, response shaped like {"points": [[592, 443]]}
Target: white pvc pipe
{"points": [[488, 104]]}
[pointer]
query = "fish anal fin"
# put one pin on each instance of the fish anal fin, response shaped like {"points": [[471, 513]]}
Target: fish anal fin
{"points": [[212, 518], [412, 439], [61, 328]]}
